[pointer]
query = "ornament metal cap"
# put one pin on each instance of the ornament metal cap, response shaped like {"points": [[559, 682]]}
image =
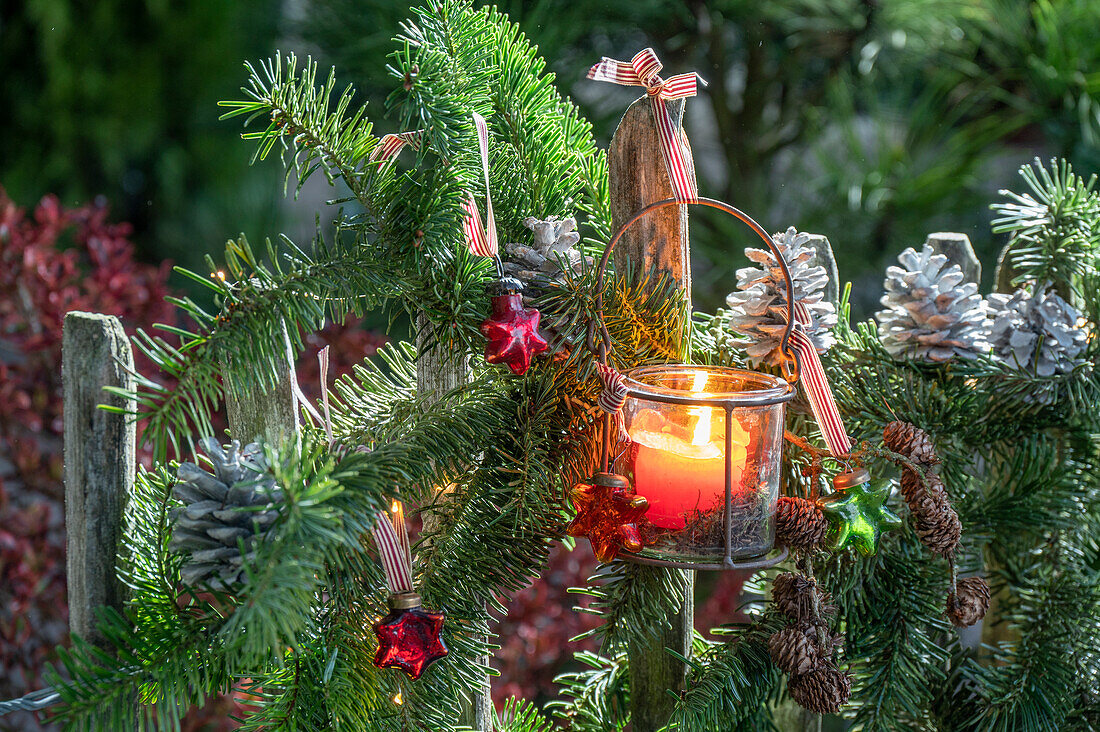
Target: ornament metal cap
{"points": [[859, 476], [504, 286], [610, 480], [404, 601]]}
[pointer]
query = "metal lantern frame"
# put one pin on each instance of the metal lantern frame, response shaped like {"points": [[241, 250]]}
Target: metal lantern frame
{"points": [[599, 340]]}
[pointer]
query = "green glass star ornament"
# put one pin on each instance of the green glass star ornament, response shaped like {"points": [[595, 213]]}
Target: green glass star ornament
{"points": [[857, 512]]}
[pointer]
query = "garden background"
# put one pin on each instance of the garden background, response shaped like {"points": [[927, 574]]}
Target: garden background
{"points": [[874, 122]]}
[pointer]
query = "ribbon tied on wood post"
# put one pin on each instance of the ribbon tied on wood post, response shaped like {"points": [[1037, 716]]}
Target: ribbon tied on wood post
{"points": [[644, 70]]}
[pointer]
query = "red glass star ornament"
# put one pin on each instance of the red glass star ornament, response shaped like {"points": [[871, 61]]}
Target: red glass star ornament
{"points": [[512, 330], [608, 511], [408, 638]]}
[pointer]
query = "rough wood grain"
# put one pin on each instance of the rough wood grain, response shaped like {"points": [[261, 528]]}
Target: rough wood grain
{"points": [[100, 463], [268, 415], [439, 370], [958, 250], [659, 241], [825, 257], [639, 177]]}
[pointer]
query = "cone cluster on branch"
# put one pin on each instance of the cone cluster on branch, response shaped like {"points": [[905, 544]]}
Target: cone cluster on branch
{"points": [[938, 524], [805, 647], [928, 312], [224, 514], [759, 307], [800, 524]]}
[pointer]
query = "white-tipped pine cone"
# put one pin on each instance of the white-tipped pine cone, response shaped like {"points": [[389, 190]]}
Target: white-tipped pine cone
{"points": [[555, 242], [1038, 333], [929, 313], [759, 307], [224, 515]]}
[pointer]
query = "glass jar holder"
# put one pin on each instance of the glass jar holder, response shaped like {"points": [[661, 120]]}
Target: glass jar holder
{"points": [[730, 403]]}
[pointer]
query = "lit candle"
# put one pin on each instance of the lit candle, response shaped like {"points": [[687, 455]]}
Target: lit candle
{"points": [[681, 468]]}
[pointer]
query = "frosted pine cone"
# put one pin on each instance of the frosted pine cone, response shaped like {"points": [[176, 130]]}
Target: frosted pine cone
{"points": [[929, 313], [759, 308], [221, 513], [1038, 333], [555, 242]]}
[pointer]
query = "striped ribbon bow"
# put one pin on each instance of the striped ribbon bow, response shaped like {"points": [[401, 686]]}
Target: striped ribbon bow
{"points": [[817, 387], [393, 548], [643, 70], [482, 240], [390, 145]]}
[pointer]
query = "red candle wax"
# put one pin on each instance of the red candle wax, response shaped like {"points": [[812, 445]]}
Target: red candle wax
{"points": [[679, 474]]}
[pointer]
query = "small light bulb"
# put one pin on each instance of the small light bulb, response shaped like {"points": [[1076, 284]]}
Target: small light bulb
{"points": [[395, 506], [397, 699]]}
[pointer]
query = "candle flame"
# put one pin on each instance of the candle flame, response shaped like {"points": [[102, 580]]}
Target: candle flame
{"points": [[701, 434]]}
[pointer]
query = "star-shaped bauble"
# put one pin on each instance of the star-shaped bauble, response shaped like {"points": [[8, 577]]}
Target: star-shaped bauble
{"points": [[857, 512], [608, 511], [408, 638], [512, 330]]}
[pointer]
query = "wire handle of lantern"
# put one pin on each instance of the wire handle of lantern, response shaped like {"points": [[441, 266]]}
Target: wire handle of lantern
{"points": [[790, 365]]}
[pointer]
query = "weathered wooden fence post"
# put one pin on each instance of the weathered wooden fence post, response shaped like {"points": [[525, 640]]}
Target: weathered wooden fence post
{"points": [[100, 463], [660, 241], [270, 415], [439, 370]]}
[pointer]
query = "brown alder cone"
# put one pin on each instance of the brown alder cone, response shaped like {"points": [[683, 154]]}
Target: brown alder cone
{"points": [[911, 441], [916, 492], [800, 524], [793, 594], [822, 691], [940, 530], [968, 603], [794, 650]]}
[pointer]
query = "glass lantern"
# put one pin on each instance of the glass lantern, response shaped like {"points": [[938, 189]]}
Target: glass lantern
{"points": [[703, 445]]}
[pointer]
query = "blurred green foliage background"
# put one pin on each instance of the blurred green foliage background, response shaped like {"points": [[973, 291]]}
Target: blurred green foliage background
{"points": [[875, 122]]}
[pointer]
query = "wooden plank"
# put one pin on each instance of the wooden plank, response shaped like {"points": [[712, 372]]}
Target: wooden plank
{"points": [[269, 415], [958, 250], [639, 177], [438, 371], [659, 241], [100, 463]]}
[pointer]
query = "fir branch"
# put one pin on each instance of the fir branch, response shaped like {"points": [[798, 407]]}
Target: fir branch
{"points": [[633, 600], [1055, 232], [730, 683], [597, 698], [323, 136]]}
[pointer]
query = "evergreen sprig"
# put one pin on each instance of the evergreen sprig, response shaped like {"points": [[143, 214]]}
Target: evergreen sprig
{"points": [[1054, 229]]}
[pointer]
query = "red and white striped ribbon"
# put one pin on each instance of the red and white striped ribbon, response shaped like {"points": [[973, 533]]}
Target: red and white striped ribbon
{"points": [[613, 395], [390, 145], [812, 375], [481, 240], [643, 70], [396, 561]]}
